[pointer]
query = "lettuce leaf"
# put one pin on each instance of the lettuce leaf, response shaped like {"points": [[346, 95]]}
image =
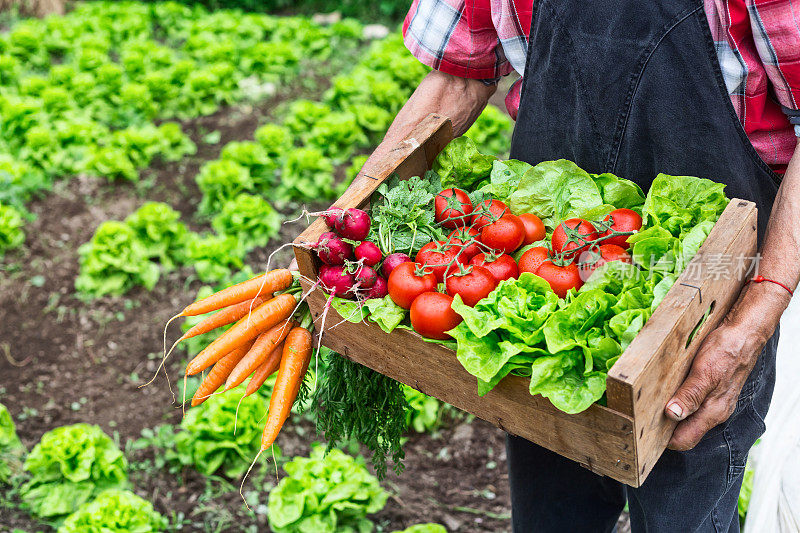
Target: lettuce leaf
{"points": [[555, 191], [384, 312], [461, 165], [69, 466], [679, 202], [115, 510], [561, 379]]}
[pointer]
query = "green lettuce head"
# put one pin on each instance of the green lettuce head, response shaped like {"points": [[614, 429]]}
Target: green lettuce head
{"points": [[70, 466]]}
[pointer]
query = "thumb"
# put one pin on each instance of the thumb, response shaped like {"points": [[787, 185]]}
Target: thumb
{"points": [[689, 396]]}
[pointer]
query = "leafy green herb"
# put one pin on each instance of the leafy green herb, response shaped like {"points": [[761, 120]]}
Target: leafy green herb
{"points": [[354, 402], [403, 217]]}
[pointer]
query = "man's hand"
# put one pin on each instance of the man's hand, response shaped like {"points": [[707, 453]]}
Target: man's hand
{"points": [[708, 395]]}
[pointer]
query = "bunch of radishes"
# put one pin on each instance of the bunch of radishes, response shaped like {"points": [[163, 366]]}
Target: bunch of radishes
{"points": [[351, 263]]}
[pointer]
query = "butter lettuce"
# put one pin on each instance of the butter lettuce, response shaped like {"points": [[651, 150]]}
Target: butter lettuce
{"points": [[69, 466], [385, 313], [325, 493], [679, 202], [115, 510], [461, 165], [555, 191]]}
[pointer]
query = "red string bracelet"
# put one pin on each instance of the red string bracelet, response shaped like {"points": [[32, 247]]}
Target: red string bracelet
{"points": [[759, 279]]}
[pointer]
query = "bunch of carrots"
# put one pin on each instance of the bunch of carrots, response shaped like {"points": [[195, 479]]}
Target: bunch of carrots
{"points": [[266, 336]]}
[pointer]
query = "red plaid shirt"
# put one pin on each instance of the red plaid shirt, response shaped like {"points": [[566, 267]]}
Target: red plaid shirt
{"points": [[757, 41]]}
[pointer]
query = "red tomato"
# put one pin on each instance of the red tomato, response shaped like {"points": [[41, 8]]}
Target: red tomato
{"points": [[460, 236], [504, 235], [622, 220], [503, 267], [531, 259], [442, 258], [473, 286], [405, 285], [534, 228], [431, 315], [580, 229], [452, 208], [488, 211], [560, 278], [592, 259]]}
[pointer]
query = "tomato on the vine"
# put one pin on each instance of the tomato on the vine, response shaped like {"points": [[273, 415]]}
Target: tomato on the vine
{"points": [[452, 208], [621, 220], [505, 234], [560, 278], [502, 267], [460, 236], [409, 280], [571, 236], [533, 258], [597, 256], [534, 228], [442, 257], [474, 284], [431, 315], [488, 211]]}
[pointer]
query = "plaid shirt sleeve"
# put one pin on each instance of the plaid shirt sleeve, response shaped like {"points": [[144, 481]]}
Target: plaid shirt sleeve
{"points": [[776, 32], [449, 36]]}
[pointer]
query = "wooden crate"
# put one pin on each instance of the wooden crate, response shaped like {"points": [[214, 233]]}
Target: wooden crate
{"points": [[622, 441]]}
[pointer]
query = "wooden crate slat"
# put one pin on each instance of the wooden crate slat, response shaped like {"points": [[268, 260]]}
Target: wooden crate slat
{"points": [[598, 438], [658, 359]]}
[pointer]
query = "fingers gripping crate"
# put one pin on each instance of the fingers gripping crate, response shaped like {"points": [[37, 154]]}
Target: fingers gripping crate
{"points": [[623, 440]]}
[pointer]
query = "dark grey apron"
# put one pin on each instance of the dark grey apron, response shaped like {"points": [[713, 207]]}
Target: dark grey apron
{"points": [[635, 88]]}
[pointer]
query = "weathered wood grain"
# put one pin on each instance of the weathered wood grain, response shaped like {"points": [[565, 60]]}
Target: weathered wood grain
{"points": [[655, 364]]}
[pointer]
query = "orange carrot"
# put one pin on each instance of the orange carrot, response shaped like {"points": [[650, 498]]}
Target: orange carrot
{"points": [[296, 356], [246, 329], [223, 317], [219, 374], [262, 348], [267, 368], [267, 283]]}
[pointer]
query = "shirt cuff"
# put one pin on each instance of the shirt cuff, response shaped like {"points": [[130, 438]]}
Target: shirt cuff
{"points": [[794, 118]]}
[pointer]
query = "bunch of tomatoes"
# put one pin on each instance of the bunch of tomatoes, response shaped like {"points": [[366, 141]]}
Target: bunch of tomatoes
{"points": [[477, 255]]}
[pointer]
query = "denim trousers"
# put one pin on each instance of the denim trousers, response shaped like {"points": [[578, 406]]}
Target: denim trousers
{"points": [[690, 491]]}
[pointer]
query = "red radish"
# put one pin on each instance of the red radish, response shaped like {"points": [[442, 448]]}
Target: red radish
{"points": [[332, 250], [353, 224], [332, 215], [337, 281], [391, 261], [366, 277], [368, 253], [379, 290]]}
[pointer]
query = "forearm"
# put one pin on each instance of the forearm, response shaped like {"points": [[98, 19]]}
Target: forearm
{"points": [[460, 99], [763, 304]]}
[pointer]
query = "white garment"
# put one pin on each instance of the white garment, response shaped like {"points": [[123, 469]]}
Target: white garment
{"points": [[775, 502]]}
